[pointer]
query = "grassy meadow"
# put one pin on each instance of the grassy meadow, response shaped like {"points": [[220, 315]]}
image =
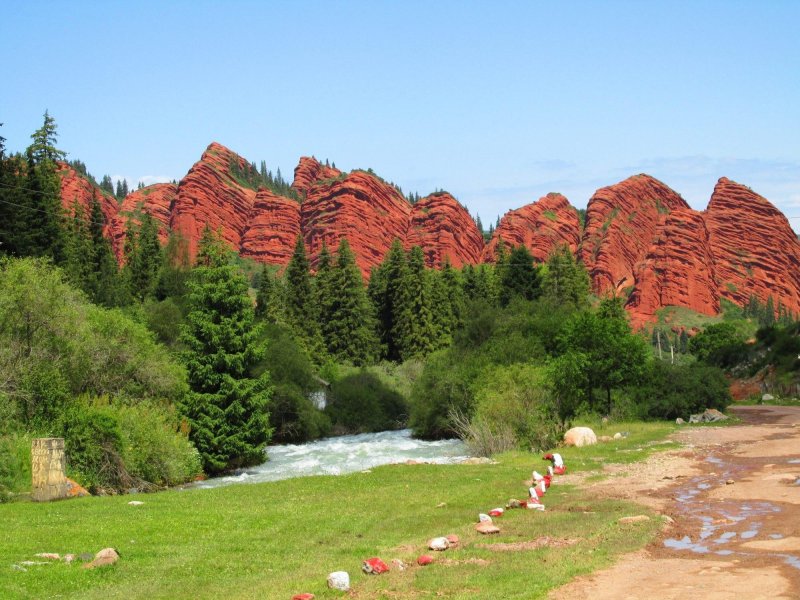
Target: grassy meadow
{"points": [[273, 540]]}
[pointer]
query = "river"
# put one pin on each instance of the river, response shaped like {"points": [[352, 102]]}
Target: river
{"points": [[344, 454]]}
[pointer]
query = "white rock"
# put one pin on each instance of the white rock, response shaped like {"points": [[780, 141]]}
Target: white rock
{"points": [[580, 436], [339, 580], [440, 544], [135, 503]]}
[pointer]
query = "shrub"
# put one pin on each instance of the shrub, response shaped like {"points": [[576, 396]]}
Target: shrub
{"points": [[361, 403], [155, 450], [15, 465], [670, 391]]}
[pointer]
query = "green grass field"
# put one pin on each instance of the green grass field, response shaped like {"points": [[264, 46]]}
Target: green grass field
{"points": [[273, 540]]}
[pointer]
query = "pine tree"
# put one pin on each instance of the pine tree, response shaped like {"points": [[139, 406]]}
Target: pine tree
{"points": [[226, 408], [78, 265], [414, 330], [144, 258], [266, 302], [105, 287], [39, 219], [107, 185], [768, 319], [566, 281], [455, 295], [350, 331], [519, 277], [385, 290], [300, 309], [324, 294], [441, 311], [175, 268]]}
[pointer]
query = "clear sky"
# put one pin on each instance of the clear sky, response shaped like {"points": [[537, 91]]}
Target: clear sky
{"points": [[496, 102]]}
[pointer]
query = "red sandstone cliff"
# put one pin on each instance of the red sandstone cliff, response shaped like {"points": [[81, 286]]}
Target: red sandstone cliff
{"points": [[78, 190], [445, 231], [274, 224], [211, 195], [621, 223], [755, 250], [308, 171], [359, 206], [540, 227], [678, 269], [155, 200]]}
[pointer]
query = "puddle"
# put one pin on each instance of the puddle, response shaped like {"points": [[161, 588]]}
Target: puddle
{"points": [[725, 521]]}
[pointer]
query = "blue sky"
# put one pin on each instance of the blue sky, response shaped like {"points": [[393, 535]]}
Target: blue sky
{"points": [[497, 102]]}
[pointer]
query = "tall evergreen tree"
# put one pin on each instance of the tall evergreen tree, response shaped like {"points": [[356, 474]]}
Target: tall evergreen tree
{"points": [[455, 295], [441, 310], [175, 268], [565, 281], [226, 408], [266, 300], [39, 220], [414, 329], [105, 288], [350, 328], [519, 277], [144, 258], [385, 290], [301, 312]]}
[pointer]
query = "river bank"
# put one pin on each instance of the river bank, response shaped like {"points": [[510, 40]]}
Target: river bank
{"points": [[734, 497]]}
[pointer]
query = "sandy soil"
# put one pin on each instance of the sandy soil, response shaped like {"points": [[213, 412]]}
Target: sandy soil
{"points": [[731, 500]]}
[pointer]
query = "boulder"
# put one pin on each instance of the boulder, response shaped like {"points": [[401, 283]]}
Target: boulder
{"points": [[425, 559], [106, 556], [618, 436], [439, 544], [374, 566], [709, 415], [339, 580], [580, 436], [767, 398], [303, 597], [679, 421], [453, 540], [487, 528]]}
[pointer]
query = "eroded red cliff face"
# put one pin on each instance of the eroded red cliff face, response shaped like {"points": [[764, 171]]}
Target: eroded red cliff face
{"points": [[308, 171], [78, 191], [274, 225], [755, 250], [678, 269], [211, 195], [155, 200], [621, 223], [359, 206], [445, 231], [540, 226]]}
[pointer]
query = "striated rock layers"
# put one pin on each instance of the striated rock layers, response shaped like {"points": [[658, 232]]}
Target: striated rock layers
{"points": [[155, 200], [445, 231], [755, 249], [211, 196], [77, 192], [621, 223], [640, 240], [540, 226], [359, 206], [678, 269], [273, 228]]}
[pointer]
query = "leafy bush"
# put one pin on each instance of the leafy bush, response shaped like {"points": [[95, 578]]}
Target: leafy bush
{"points": [[722, 345], [94, 447], [516, 399], [361, 403], [15, 465], [670, 391]]}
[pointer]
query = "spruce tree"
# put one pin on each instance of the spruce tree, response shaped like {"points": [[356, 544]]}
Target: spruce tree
{"points": [[175, 268], [350, 328], [266, 302], [385, 290], [414, 330], [519, 277], [300, 308], [441, 311], [566, 281], [324, 294], [105, 286], [226, 408], [144, 258]]}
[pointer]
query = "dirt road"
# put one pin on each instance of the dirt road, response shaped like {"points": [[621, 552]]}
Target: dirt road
{"points": [[734, 496]]}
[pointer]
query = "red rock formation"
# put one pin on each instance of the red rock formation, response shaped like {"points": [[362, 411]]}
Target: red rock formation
{"points": [[308, 171], [155, 200], [678, 269], [621, 223], [76, 189], [540, 226], [211, 195], [361, 207], [274, 225], [444, 230], [755, 250]]}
